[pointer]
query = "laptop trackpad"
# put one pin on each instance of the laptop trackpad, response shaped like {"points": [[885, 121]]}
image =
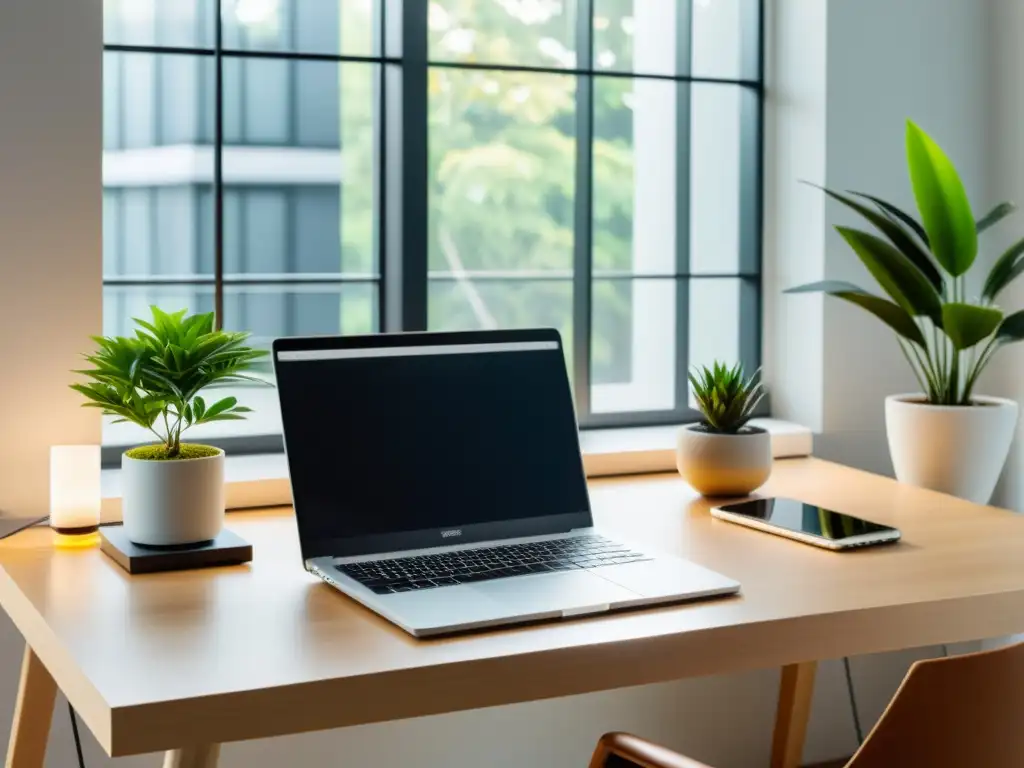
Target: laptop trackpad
{"points": [[571, 593], [668, 577]]}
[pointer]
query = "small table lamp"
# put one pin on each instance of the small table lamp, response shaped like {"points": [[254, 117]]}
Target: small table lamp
{"points": [[75, 492]]}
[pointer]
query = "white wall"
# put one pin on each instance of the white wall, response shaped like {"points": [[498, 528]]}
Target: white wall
{"points": [[1006, 166], [842, 83], [889, 60], [50, 219], [843, 112]]}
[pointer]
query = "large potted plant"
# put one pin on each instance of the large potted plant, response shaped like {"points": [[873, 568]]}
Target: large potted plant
{"points": [[173, 492], [722, 455], [945, 437]]}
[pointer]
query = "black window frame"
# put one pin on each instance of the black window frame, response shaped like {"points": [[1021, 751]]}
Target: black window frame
{"points": [[402, 184]]}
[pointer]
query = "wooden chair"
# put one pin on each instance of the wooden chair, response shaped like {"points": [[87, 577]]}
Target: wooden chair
{"points": [[958, 712]]}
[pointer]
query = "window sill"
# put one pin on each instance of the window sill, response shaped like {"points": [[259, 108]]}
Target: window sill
{"points": [[262, 480]]}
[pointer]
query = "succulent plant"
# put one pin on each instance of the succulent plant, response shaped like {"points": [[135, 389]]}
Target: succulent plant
{"points": [[725, 397]]}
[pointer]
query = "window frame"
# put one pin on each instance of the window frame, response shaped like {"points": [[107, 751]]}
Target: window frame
{"points": [[402, 181]]}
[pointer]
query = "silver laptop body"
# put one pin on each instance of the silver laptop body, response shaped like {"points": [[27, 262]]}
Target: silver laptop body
{"points": [[437, 479]]}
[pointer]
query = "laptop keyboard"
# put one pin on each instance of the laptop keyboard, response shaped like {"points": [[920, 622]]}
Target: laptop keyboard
{"points": [[466, 566]]}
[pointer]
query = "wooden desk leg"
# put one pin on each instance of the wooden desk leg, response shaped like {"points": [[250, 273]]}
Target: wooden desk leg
{"points": [[205, 756], [33, 712], [795, 694]]}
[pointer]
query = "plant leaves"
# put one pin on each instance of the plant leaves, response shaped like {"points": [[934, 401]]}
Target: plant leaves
{"points": [[994, 216], [968, 324], [893, 315], [1012, 328], [896, 234], [220, 407], [1006, 269], [160, 370], [725, 399], [942, 202], [897, 213], [895, 274]]}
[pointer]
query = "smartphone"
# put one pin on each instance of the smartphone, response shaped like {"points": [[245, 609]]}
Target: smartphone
{"points": [[807, 523]]}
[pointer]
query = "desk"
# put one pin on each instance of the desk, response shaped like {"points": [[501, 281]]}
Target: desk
{"points": [[189, 660]]}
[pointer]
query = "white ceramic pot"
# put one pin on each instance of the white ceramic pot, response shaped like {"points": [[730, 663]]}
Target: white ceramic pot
{"points": [[955, 449], [724, 465], [167, 503]]}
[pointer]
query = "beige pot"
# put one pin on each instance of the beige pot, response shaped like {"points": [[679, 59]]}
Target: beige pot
{"points": [[724, 465]]}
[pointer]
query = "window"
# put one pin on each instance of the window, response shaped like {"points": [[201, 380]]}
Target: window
{"points": [[354, 166]]}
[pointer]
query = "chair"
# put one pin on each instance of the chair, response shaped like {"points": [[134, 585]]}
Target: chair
{"points": [[957, 712]]}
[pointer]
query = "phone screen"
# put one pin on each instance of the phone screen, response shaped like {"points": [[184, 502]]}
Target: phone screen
{"points": [[793, 515]]}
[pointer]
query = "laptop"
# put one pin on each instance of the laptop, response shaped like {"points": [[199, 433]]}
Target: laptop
{"points": [[437, 479]]}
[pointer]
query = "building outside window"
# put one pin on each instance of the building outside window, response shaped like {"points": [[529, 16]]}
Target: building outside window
{"points": [[379, 165]]}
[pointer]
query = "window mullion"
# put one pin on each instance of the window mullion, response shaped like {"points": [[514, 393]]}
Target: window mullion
{"points": [[684, 66], [218, 167], [405, 265], [582, 286]]}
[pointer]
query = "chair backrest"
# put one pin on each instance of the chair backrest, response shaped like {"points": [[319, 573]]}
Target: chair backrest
{"points": [[957, 712]]}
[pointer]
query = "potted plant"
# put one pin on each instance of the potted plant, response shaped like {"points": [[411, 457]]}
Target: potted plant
{"points": [[722, 455], [173, 492], [945, 437]]}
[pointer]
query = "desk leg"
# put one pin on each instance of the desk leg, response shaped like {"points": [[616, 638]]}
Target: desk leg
{"points": [[193, 757], [795, 693], [33, 712]]}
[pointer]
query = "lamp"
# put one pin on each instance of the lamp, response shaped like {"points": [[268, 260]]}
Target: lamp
{"points": [[75, 490]]}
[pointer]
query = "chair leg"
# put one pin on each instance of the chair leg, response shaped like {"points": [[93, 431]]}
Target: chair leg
{"points": [[795, 694]]}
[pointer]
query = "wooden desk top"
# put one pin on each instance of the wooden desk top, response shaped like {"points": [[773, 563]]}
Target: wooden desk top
{"points": [[156, 662]]}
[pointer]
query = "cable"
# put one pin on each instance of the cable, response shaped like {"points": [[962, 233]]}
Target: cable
{"points": [[19, 524], [78, 739], [853, 701]]}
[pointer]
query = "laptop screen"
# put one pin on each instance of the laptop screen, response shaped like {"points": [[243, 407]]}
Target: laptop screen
{"points": [[400, 442]]}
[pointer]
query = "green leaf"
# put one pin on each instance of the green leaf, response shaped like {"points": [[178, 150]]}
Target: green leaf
{"points": [[157, 372], [1006, 269], [994, 216], [968, 324], [893, 315], [899, 278], [220, 407], [724, 397], [898, 214], [942, 202], [1012, 328], [896, 234]]}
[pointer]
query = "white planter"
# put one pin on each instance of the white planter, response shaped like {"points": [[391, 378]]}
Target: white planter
{"points": [[173, 502], [959, 450], [724, 465]]}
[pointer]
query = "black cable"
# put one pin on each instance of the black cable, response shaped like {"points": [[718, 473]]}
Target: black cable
{"points": [[853, 702], [19, 524], [945, 650], [78, 739]]}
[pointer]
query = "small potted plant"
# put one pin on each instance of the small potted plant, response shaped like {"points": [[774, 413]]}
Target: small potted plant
{"points": [[173, 492], [722, 455]]}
